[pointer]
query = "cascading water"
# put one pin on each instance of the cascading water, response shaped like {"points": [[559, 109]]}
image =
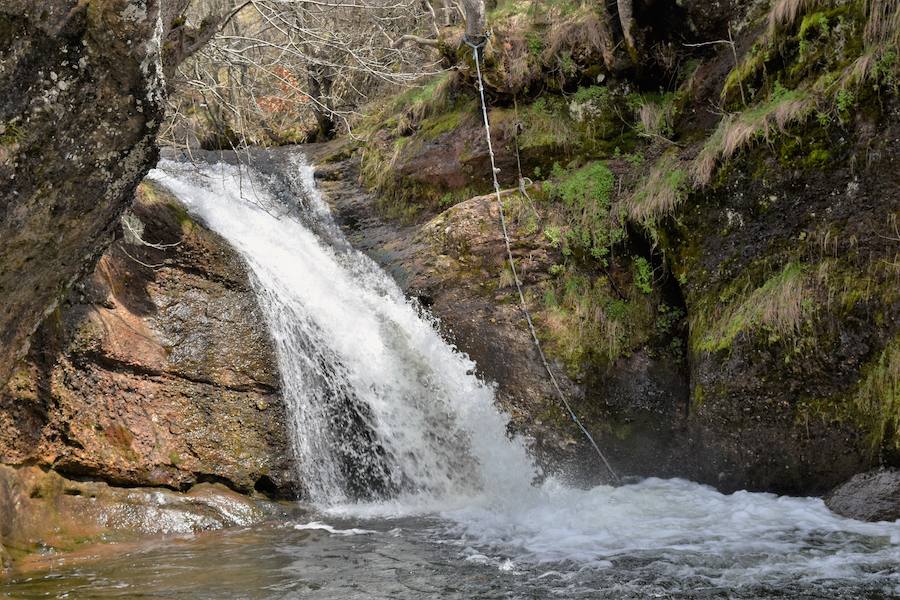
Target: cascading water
{"points": [[390, 423], [381, 405]]}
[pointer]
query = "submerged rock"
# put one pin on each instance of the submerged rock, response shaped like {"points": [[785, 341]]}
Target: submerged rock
{"points": [[43, 513], [871, 496], [156, 370]]}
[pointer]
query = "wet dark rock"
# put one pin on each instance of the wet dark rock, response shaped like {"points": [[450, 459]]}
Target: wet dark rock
{"points": [[871, 496]]}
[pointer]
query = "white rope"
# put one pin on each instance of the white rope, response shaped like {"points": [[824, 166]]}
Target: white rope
{"points": [[512, 266]]}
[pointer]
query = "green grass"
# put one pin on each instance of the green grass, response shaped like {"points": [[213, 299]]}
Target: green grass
{"points": [[582, 324], [546, 123]]}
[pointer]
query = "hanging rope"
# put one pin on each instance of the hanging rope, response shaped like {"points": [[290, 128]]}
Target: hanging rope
{"points": [[512, 262]]}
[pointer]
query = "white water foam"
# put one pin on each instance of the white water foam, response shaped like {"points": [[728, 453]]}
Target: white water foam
{"points": [[319, 526], [413, 419]]}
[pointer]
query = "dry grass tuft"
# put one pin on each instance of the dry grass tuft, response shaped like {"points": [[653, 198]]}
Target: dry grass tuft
{"points": [[883, 25], [777, 306], [704, 164], [654, 119], [860, 70], [739, 130], [785, 13], [585, 34], [517, 65], [660, 193]]}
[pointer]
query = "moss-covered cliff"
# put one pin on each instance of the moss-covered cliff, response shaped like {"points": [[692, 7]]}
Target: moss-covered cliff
{"points": [[721, 274]]}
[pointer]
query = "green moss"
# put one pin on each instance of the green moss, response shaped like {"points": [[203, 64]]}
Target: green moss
{"points": [[873, 404], [742, 76], [437, 125], [698, 396], [816, 22], [425, 97], [546, 123], [583, 324], [818, 158], [877, 398]]}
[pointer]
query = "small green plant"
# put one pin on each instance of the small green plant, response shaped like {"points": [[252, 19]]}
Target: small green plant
{"points": [[885, 71], [557, 171], [535, 44], [595, 94], [567, 64], [635, 159], [667, 318], [10, 134], [557, 270], [817, 22], [845, 101], [586, 197], [554, 235], [643, 275]]}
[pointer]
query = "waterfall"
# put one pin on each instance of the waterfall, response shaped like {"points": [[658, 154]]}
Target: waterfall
{"points": [[389, 420], [380, 405]]}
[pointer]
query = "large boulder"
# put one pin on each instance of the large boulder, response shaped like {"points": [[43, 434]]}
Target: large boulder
{"points": [[156, 370], [81, 99], [872, 496]]}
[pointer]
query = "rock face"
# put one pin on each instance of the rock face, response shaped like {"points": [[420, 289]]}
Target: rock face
{"points": [[796, 409], [80, 103], [156, 370], [872, 496]]}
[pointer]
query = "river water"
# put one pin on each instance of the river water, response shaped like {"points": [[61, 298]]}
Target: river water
{"points": [[414, 490]]}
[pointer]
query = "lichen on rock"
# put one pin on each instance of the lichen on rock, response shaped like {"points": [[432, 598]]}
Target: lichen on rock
{"points": [[80, 106]]}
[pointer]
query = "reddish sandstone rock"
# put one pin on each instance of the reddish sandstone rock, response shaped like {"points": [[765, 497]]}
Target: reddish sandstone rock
{"points": [[156, 370]]}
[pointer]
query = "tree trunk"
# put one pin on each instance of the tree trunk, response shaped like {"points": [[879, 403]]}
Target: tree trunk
{"points": [[320, 81], [626, 18], [476, 25], [448, 13]]}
